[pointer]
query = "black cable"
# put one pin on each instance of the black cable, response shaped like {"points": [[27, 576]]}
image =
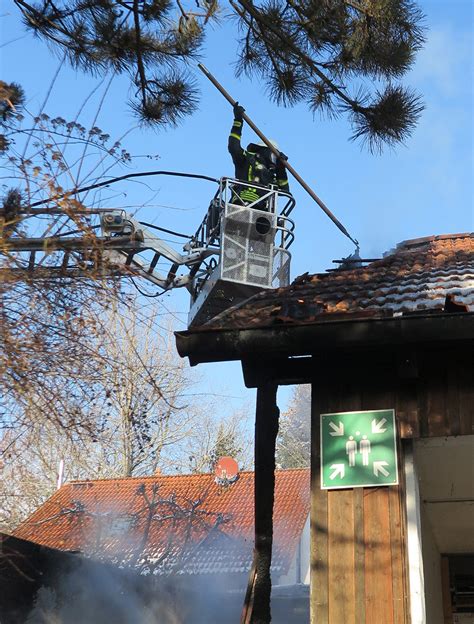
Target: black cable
{"points": [[150, 225], [144, 294], [155, 227], [178, 174], [89, 227]]}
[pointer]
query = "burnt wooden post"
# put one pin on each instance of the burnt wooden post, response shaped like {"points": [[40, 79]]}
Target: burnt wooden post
{"points": [[257, 602]]}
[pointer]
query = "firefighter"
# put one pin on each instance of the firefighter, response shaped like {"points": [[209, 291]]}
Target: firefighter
{"points": [[257, 164]]}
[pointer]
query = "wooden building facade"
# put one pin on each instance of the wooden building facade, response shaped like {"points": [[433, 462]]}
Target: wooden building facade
{"points": [[361, 557], [397, 334]]}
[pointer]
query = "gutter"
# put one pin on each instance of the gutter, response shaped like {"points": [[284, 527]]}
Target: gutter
{"points": [[220, 345]]}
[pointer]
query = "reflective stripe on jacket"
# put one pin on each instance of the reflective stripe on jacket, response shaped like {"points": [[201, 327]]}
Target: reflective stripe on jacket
{"points": [[246, 163]]}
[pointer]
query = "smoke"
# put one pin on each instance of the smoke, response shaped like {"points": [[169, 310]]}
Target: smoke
{"points": [[94, 593], [170, 562], [99, 594], [83, 591]]}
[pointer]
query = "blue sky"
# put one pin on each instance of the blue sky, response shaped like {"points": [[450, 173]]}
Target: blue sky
{"points": [[419, 189]]}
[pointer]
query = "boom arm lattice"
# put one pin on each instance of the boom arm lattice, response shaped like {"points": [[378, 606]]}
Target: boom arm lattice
{"points": [[126, 247]]}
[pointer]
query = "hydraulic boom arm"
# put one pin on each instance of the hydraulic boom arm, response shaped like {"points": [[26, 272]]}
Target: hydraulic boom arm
{"points": [[125, 247], [238, 250]]}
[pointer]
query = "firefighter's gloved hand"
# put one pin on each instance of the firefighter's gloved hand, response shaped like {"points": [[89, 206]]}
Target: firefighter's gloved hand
{"points": [[283, 156], [238, 112]]}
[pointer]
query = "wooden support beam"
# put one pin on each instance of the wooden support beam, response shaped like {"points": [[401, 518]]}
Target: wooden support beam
{"points": [[249, 596], [283, 371], [257, 604], [433, 331]]}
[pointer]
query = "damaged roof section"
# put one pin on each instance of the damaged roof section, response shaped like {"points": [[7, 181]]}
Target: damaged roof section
{"points": [[186, 524], [427, 275]]}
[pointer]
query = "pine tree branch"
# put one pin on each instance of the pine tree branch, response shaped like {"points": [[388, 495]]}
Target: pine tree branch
{"points": [[30, 12], [140, 66], [262, 21], [305, 51], [269, 52], [128, 6], [314, 64], [357, 5], [181, 8]]}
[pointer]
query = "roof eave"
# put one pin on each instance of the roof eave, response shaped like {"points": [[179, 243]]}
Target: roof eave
{"points": [[220, 345]]}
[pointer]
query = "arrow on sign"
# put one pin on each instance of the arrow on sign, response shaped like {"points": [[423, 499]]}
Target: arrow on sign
{"points": [[336, 431], [379, 467], [378, 427], [338, 471]]}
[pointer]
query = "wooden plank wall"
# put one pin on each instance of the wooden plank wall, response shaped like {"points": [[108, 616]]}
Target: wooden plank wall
{"points": [[446, 396], [436, 398], [358, 557], [358, 572]]}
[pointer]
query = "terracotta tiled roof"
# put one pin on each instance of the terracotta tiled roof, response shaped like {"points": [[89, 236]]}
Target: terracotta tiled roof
{"points": [[415, 277], [184, 524]]}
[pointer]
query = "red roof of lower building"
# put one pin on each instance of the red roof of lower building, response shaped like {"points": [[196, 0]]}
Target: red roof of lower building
{"points": [[181, 524]]}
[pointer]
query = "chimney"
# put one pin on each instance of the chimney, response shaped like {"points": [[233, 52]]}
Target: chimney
{"points": [[60, 474]]}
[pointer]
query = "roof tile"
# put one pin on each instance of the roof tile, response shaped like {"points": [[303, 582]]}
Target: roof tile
{"points": [[186, 524], [417, 276]]}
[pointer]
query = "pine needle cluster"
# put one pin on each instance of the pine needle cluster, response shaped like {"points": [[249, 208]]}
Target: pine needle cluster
{"points": [[12, 99], [338, 56], [143, 38], [317, 50]]}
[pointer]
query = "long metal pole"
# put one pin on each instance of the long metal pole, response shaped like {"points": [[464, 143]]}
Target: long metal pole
{"points": [[294, 173]]}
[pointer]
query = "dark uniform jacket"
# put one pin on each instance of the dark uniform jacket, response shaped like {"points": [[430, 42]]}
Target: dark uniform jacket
{"points": [[254, 165]]}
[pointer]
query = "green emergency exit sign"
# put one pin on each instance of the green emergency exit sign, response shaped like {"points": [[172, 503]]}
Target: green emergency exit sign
{"points": [[358, 449]]}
